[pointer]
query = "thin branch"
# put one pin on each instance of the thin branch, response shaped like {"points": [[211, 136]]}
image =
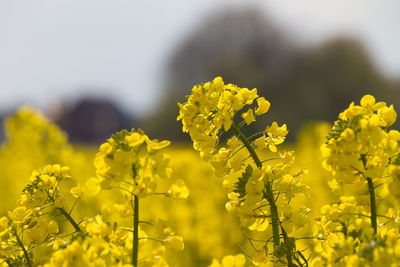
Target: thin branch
{"points": [[28, 260]]}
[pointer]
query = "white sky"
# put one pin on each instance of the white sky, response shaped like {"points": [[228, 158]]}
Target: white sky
{"points": [[53, 51]]}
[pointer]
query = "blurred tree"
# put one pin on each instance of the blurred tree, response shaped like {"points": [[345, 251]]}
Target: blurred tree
{"points": [[245, 48], [241, 46], [324, 80]]}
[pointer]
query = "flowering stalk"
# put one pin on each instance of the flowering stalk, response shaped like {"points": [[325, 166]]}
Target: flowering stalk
{"points": [[372, 203], [258, 190], [359, 153], [270, 196], [133, 164], [70, 219], [28, 232], [372, 200], [66, 214], [135, 248], [26, 255]]}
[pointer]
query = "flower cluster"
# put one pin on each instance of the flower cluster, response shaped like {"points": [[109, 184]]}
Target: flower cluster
{"points": [[212, 107], [106, 243], [32, 142], [360, 145], [133, 164], [361, 227], [32, 224], [129, 161], [259, 190], [132, 161], [58, 222]]}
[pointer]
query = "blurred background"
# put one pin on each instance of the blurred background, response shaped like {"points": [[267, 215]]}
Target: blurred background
{"points": [[98, 66]]}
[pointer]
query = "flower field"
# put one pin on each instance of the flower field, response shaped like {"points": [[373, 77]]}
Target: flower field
{"points": [[229, 199]]}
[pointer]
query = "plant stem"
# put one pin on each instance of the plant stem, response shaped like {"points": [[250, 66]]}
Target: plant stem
{"points": [[135, 247], [288, 252], [270, 196], [66, 214], [70, 219], [23, 249], [274, 214], [373, 204]]}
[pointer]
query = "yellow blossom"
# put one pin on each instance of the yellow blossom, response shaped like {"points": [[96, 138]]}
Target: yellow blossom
{"points": [[263, 106], [174, 242], [178, 190], [19, 215], [248, 117], [347, 135], [77, 191]]}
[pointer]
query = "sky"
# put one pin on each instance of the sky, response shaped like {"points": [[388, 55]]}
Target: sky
{"points": [[59, 51]]}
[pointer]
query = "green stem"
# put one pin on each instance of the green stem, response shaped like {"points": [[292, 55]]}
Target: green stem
{"points": [[274, 214], [66, 214], [373, 204], [270, 196], [70, 219], [23, 249], [288, 249], [135, 247], [247, 144]]}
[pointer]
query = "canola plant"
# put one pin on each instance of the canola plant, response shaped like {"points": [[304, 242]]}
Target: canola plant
{"points": [[235, 199]]}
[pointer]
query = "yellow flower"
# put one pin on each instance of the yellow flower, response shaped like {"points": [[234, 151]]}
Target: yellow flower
{"points": [[19, 215], [276, 135], [97, 227], [347, 135], [248, 116], [135, 139], [4, 229], [174, 242], [178, 190], [263, 106], [92, 186], [76, 191], [210, 110], [234, 261], [106, 148], [215, 263], [367, 101], [155, 145], [325, 151], [388, 116], [275, 131], [260, 224], [124, 210], [261, 256]]}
